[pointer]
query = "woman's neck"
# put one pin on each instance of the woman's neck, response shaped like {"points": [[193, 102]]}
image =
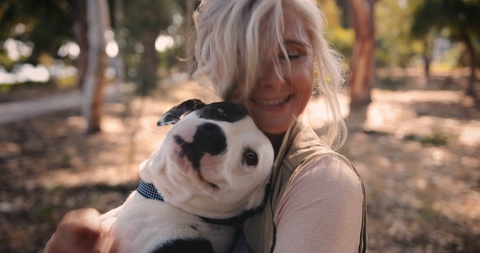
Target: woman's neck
{"points": [[276, 140]]}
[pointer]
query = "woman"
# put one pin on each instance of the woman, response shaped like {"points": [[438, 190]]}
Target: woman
{"points": [[270, 56]]}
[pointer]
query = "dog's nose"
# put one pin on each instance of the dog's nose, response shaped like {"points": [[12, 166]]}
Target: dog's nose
{"points": [[210, 139]]}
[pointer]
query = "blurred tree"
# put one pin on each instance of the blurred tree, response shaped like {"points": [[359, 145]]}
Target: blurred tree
{"points": [[45, 26], [144, 21], [80, 31], [461, 19], [98, 22], [338, 33], [363, 55], [395, 45], [118, 21]]}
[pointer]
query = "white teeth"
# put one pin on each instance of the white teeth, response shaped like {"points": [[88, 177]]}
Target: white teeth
{"points": [[271, 102]]}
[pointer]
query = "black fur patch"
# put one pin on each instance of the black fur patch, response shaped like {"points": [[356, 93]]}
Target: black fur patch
{"points": [[173, 115], [208, 139], [192, 245], [222, 111]]}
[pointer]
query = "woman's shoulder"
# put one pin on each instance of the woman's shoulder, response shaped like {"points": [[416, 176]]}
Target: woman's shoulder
{"points": [[323, 194], [329, 169], [308, 152], [311, 166], [325, 182]]}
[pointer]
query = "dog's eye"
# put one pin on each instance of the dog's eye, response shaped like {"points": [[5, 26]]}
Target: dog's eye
{"points": [[250, 158], [221, 112]]}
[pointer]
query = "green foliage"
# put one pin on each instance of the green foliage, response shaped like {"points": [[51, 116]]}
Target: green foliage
{"points": [[12, 87], [5, 61], [452, 15], [144, 21], [436, 139], [404, 28], [337, 34], [452, 56], [145, 16], [391, 83], [342, 39], [46, 24], [395, 45]]}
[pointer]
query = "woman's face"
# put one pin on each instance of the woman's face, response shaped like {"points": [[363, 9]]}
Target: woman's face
{"points": [[280, 95]]}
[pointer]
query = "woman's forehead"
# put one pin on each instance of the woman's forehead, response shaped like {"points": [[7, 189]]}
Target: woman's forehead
{"points": [[294, 34], [294, 28]]}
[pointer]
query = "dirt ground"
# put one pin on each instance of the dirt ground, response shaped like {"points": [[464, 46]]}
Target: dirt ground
{"points": [[417, 148]]}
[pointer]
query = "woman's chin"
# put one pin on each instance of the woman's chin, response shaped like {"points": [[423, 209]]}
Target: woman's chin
{"points": [[274, 128]]}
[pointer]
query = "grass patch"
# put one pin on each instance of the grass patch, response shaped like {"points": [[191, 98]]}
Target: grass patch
{"points": [[434, 139], [13, 87], [390, 83], [57, 84]]}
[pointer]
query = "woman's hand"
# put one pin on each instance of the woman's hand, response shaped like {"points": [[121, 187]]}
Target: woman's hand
{"points": [[80, 232]]}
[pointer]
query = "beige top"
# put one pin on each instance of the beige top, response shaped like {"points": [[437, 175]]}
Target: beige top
{"points": [[317, 198]]}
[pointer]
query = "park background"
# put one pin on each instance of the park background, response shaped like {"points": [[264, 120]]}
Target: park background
{"points": [[72, 137]]}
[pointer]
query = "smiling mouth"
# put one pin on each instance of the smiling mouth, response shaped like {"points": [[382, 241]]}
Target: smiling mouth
{"points": [[271, 102]]}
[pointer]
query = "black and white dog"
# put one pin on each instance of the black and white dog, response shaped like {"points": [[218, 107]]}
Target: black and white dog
{"points": [[211, 172]]}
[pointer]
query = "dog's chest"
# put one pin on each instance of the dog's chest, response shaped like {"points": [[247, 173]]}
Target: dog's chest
{"points": [[144, 225]]}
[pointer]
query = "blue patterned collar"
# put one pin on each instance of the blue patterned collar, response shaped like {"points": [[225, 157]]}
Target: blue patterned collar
{"points": [[149, 191]]}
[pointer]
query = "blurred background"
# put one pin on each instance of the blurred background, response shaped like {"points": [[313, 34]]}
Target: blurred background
{"points": [[82, 84]]}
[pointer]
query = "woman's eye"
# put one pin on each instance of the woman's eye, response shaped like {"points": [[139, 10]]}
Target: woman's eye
{"points": [[291, 57]]}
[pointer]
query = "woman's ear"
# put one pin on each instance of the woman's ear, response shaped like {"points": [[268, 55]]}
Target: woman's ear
{"points": [[173, 115]]}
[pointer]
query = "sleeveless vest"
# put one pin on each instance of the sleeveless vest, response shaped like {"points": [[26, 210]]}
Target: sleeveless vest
{"points": [[300, 145]]}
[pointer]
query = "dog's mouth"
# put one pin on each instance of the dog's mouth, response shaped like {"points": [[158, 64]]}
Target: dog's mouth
{"points": [[213, 186], [190, 155]]}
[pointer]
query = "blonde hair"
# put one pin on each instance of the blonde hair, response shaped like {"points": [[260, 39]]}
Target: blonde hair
{"points": [[234, 38]]}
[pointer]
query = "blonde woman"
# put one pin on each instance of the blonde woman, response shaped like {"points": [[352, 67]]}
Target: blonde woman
{"points": [[270, 56]]}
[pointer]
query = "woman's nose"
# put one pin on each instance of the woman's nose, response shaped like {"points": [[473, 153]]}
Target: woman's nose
{"points": [[273, 76]]}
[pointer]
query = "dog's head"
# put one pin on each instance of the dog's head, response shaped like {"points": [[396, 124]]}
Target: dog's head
{"points": [[214, 161]]}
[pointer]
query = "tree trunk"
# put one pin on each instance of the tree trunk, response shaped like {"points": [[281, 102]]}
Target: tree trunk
{"points": [[148, 71], [80, 30], [470, 90], [119, 60], [98, 21], [363, 55], [427, 59]]}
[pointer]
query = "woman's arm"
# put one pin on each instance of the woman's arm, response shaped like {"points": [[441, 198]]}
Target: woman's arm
{"points": [[321, 209]]}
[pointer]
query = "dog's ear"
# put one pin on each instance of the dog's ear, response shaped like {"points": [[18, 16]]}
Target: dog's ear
{"points": [[173, 115]]}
